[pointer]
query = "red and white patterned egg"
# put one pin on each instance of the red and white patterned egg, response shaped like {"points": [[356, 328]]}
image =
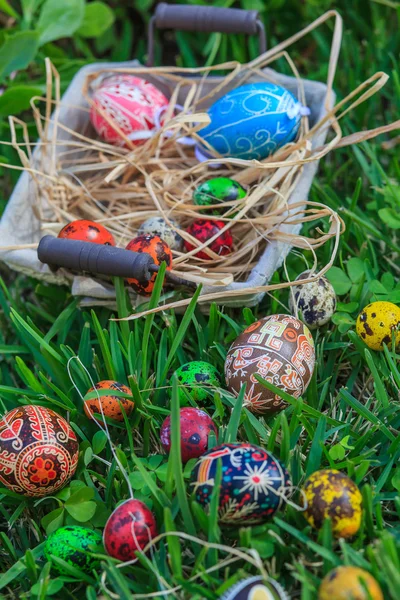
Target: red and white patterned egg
{"points": [[38, 451], [130, 103]]}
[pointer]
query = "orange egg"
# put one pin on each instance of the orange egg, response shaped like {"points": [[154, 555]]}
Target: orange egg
{"points": [[158, 250], [110, 404]]}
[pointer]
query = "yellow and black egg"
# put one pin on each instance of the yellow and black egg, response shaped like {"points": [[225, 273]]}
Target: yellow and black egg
{"points": [[376, 322], [349, 583], [315, 301]]}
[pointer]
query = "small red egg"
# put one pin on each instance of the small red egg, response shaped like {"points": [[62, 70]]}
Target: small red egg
{"points": [[110, 403], [196, 426], [87, 231], [158, 250], [203, 230], [129, 528]]}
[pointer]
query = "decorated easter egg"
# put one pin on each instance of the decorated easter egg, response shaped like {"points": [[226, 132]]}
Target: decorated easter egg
{"points": [[255, 588], [165, 230], [330, 494], [216, 191], [75, 545], [252, 121], [195, 425], [203, 230], [129, 529], [158, 250], [87, 231], [110, 404], [127, 104], [278, 348], [199, 379], [376, 322], [38, 451], [349, 583], [253, 485], [315, 301]]}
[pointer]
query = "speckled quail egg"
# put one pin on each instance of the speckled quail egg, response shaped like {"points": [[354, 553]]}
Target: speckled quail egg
{"points": [[315, 301]]}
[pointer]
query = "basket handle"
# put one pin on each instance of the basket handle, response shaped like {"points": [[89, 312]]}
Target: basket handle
{"points": [[208, 19]]}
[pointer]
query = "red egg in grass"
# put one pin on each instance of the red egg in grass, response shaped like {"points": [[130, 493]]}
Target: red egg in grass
{"points": [[129, 528], [158, 250], [195, 426], [205, 229], [87, 231]]}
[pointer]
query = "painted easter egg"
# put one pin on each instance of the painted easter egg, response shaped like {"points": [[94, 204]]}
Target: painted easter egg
{"points": [[203, 230], [158, 250], [129, 528], [255, 588], [278, 348], [165, 230], [75, 546], [376, 322], [330, 494], [252, 121], [199, 379], [38, 451], [349, 583], [315, 301], [218, 190], [126, 103], [253, 483], [87, 231], [110, 404], [195, 425]]}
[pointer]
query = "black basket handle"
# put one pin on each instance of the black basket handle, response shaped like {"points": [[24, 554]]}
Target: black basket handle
{"points": [[208, 19]]}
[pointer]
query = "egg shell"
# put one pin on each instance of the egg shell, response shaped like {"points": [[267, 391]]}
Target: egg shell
{"points": [[376, 322], [252, 487], [252, 121], [255, 588], [332, 494], [74, 545], [129, 528], [159, 226], [38, 451], [216, 191], [110, 403], [203, 230], [345, 583], [87, 231], [278, 348], [158, 250], [195, 426], [199, 379], [316, 301], [130, 103]]}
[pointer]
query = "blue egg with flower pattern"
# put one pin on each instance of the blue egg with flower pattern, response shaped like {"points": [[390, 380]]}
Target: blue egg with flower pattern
{"points": [[252, 121], [254, 483]]}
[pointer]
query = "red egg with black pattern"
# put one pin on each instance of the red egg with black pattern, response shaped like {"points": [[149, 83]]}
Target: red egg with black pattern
{"points": [[204, 230]]}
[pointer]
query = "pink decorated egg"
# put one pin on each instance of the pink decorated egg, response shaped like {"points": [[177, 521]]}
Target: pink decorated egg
{"points": [[195, 426], [126, 103]]}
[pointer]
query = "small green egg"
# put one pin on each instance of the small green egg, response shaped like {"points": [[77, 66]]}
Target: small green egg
{"points": [[217, 190], [198, 379], [74, 544]]}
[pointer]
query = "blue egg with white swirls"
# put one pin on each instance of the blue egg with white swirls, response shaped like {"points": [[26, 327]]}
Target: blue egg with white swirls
{"points": [[252, 121]]}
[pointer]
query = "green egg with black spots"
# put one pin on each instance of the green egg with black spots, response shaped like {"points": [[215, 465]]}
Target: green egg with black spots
{"points": [[74, 545], [199, 379], [216, 191]]}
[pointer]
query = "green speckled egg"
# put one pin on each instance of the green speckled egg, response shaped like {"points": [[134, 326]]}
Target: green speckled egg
{"points": [[199, 379], [217, 190], [74, 544]]}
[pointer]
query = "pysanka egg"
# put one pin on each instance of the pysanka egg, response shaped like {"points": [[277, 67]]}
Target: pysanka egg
{"points": [[87, 231], [75, 545], [376, 322], [349, 583], [158, 250], [195, 426], [129, 103], [278, 348], [205, 230], [165, 230], [38, 451], [252, 121], [110, 404], [216, 191], [253, 485], [199, 378], [130, 528], [255, 588], [315, 301], [330, 494]]}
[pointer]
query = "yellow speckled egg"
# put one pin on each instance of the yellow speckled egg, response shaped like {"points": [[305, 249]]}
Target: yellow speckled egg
{"points": [[349, 583], [376, 322], [331, 494]]}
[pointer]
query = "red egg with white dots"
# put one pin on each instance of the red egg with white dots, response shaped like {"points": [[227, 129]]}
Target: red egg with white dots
{"points": [[129, 529], [196, 426], [205, 229], [87, 231], [158, 250]]}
